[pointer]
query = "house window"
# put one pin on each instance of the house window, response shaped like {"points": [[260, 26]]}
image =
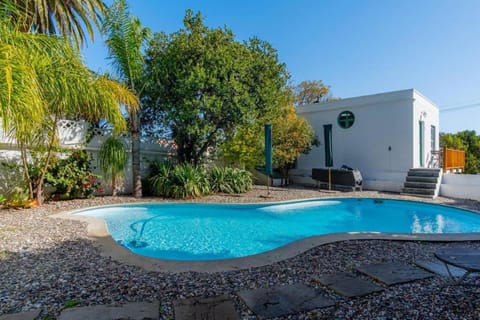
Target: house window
{"points": [[433, 138], [345, 119]]}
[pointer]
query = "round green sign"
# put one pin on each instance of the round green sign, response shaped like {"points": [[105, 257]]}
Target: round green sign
{"points": [[346, 119]]}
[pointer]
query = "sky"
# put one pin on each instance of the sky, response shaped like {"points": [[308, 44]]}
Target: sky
{"points": [[357, 47]]}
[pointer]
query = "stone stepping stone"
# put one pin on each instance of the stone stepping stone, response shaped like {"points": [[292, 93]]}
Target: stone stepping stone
{"points": [[439, 268], [27, 315], [284, 300], [214, 308], [393, 272], [131, 311], [348, 285]]}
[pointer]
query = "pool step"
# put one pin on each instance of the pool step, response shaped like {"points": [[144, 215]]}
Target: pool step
{"points": [[422, 182]]}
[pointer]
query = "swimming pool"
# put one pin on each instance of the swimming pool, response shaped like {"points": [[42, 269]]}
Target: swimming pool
{"points": [[194, 231]]}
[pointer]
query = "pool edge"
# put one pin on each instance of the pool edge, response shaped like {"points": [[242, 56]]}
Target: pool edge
{"points": [[108, 247]]}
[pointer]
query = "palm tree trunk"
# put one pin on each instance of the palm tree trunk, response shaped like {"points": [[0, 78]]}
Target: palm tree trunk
{"points": [[39, 191], [23, 153], [136, 177], [114, 185]]}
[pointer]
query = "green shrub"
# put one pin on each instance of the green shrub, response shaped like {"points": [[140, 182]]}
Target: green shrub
{"points": [[160, 178], [186, 181], [2, 199], [230, 180], [189, 182], [72, 177], [180, 181]]}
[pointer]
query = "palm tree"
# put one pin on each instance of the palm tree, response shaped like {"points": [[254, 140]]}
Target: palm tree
{"points": [[73, 19], [113, 160], [125, 39], [43, 79]]}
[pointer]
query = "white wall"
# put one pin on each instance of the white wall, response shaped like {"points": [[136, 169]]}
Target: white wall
{"points": [[380, 142], [379, 124], [462, 186], [426, 111]]}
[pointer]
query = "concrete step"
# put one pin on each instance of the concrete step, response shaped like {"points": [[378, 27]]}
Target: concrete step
{"points": [[422, 179], [423, 173], [419, 191], [426, 169], [420, 185]]}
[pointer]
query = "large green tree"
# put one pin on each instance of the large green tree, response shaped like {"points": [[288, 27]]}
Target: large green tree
{"points": [[203, 84], [73, 19], [125, 40]]}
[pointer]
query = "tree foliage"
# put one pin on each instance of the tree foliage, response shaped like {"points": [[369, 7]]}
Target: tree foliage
{"points": [[126, 38], [468, 141], [307, 92], [73, 19], [202, 84], [43, 79], [291, 136]]}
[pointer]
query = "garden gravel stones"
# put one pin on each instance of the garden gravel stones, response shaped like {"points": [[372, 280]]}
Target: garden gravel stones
{"points": [[284, 300], [49, 263], [214, 308], [348, 285], [393, 272]]}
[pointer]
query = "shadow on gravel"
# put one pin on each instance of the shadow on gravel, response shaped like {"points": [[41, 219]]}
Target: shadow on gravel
{"points": [[73, 274]]}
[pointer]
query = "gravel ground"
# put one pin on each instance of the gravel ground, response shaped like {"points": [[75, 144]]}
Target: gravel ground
{"points": [[50, 263]]}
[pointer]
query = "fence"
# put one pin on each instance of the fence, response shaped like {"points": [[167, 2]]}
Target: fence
{"points": [[78, 135], [453, 159]]}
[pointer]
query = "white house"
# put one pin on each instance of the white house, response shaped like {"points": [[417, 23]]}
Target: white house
{"points": [[383, 135]]}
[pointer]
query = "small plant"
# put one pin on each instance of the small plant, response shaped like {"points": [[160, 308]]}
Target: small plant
{"points": [[113, 160], [12, 185], [70, 304], [18, 198]]}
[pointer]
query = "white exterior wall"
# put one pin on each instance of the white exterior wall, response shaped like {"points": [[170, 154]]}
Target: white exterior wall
{"points": [[425, 111], [462, 186], [379, 144]]}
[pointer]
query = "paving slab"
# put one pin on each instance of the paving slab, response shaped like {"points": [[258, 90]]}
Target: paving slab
{"points": [[131, 311], [27, 315], [284, 300], [348, 285], [394, 272], [439, 268], [214, 308]]}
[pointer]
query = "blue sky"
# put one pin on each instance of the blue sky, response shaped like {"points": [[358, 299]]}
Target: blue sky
{"points": [[356, 47]]}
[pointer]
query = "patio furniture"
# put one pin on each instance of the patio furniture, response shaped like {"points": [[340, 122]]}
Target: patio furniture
{"points": [[343, 178], [467, 259]]}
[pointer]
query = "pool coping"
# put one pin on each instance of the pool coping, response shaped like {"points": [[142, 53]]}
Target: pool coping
{"points": [[108, 247]]}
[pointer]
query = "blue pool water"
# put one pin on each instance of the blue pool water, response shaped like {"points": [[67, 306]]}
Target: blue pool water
{"points": [[193, 231]]}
